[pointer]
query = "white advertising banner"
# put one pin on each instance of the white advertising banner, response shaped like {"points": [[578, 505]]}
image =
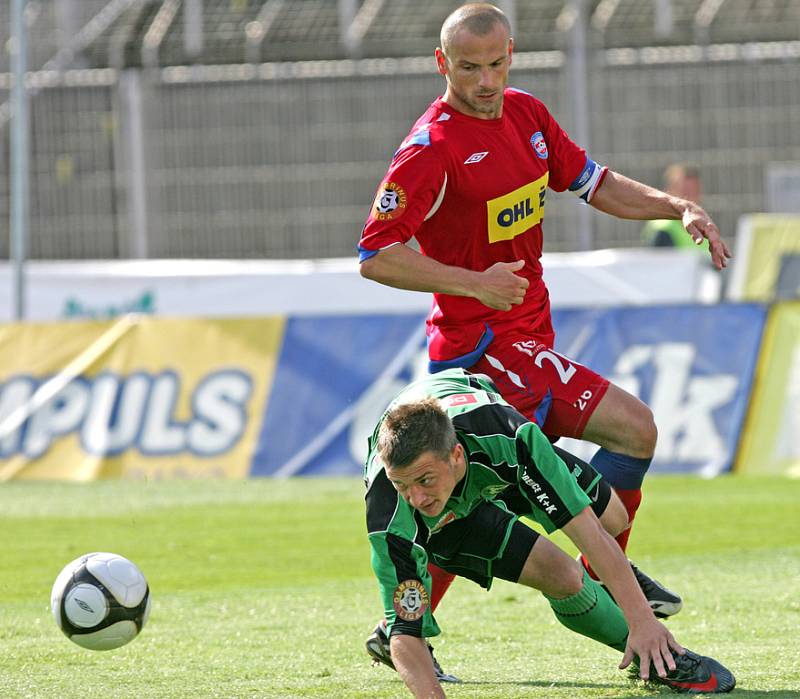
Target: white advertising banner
{"points": [[240, 288]]}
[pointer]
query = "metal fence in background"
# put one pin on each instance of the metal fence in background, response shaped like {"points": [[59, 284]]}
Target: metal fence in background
{"points": [[282, 160]]}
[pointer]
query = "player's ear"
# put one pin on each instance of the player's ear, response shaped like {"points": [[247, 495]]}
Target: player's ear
{"points": [[510, 48], [441, 61]]}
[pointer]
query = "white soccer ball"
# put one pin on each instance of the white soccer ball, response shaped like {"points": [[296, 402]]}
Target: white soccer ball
{"points": [[100, 601]]}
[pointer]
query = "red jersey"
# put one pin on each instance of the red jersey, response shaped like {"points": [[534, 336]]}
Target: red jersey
{"points": [[472, 192]]}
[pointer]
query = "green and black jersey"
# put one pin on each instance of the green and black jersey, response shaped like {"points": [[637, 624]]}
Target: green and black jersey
{"points": [[510, 463]]}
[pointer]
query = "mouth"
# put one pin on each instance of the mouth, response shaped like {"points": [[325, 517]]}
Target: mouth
{"points": [[487, 97], [428, 508]]}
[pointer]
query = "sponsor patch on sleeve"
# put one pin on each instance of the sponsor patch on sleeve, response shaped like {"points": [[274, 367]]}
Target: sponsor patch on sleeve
{"points": [[458, 399], [390, 202], [410, 600]]}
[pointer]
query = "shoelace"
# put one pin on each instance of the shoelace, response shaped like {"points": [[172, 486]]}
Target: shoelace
{"points": [[686, 666], [644, 581]]}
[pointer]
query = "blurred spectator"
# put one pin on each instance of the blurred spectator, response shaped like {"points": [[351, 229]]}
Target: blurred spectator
{"points": [[680, 180]]}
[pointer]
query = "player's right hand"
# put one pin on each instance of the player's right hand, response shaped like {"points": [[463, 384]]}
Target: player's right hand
{"points": [[651, 642], [500, 288]]}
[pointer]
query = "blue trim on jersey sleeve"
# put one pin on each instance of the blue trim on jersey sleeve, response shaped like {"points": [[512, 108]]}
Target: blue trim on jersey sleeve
{"points": [[465, 361], [364, 254], [423, 138], [543, 409], [521, 92]]}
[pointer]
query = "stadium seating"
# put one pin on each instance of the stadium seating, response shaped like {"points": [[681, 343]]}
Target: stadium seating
{"points": [[235, 31]]}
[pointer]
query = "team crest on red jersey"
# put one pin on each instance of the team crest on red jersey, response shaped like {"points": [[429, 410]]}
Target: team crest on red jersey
{"points": [[390, 202], [539, 145]]}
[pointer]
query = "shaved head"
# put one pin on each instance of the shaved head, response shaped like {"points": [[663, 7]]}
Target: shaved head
{"points": [[478, 18], [474, 58]]}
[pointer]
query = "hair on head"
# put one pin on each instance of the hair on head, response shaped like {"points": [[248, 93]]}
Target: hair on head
{"points": [[410, 429]]}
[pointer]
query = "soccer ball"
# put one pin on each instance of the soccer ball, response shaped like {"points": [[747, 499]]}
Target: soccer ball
{"points": [[100, 601]]}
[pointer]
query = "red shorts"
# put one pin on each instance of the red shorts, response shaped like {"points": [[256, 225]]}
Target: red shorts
{"points": [[555, 392]]}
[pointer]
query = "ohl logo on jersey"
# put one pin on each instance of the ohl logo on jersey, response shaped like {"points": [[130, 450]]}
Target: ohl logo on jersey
{"points": [[516, 212], [390, 202]]}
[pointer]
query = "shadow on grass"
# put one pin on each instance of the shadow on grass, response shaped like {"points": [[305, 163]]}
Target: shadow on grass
{"points": [[537, 683], [769, 694], [644, 691]]}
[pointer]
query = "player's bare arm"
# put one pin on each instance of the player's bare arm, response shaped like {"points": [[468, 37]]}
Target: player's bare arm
{"points": [[413, 663], [399, 266], [648, 639], [623, 197]]}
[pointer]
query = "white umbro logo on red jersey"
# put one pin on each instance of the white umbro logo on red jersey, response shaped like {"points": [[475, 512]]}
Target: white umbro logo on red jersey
{"points": [[476, 157]]}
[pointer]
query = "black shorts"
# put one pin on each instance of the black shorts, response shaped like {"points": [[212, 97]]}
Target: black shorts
{"points": [[589, 480], [491, 542]]}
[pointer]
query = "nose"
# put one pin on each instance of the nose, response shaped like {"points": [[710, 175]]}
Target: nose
{"points": [[487, 79], [416, 496]]}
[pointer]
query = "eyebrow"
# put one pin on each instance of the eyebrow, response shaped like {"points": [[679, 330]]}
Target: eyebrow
{"points": [[423, 475], [464, 61]]}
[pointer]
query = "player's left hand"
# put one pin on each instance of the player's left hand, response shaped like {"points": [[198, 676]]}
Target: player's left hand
{"points": [[651, 642], [699, 225]]}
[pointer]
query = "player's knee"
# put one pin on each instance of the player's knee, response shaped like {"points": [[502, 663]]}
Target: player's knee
{"points": [[623, 424], [649, 431], [643, 434], [570, 580], [551, 571]]}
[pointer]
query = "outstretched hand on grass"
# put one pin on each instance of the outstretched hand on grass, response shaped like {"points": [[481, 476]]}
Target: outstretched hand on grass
{"points": [[651, 643]]}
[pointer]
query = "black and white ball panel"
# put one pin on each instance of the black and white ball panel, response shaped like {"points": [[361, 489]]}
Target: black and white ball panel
{"points": [[100, 601]]}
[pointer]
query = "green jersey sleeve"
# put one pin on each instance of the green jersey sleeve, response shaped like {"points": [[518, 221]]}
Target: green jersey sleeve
{"points": [[546, 481], [399, 560]]}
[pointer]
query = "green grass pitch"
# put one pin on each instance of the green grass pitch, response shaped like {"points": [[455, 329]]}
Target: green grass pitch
{"points": [[263, 589]]}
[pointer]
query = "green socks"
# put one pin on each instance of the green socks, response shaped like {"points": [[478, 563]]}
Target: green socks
{"points": [[591, 612]]}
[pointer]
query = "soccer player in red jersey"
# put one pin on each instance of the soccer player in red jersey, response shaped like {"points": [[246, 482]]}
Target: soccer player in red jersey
{"points": [[469, 183]]}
